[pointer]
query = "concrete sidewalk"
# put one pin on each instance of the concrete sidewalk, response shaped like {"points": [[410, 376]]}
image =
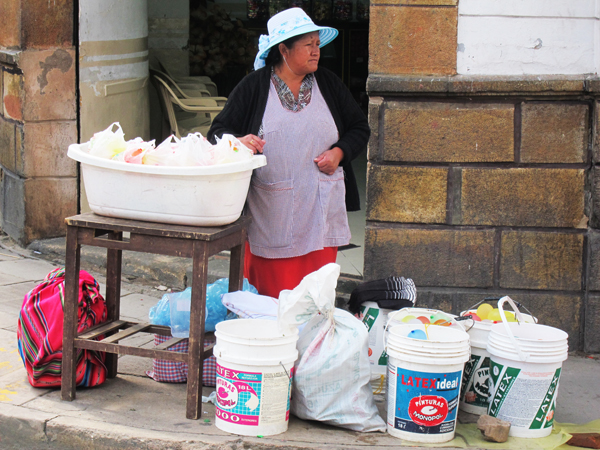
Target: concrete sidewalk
{"points": [[133, 411]]}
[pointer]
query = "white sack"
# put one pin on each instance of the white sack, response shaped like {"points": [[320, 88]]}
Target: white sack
{"points": [[332, 374]]}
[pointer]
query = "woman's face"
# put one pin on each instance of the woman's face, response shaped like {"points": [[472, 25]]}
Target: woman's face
{"points": [[303, 57]]}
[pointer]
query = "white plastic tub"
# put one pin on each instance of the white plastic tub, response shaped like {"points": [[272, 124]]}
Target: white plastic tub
{"points": [[198, 195]]}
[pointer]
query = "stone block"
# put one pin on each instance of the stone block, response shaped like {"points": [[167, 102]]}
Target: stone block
{"points": [[375, 105], [593, 281], [7, 144], [47, 24], [13, 207], [47, 202], [10, 31], [407, 40], [523, 197], [595, 194], [44, 152], [448, 132], [591, 332], [596, 150], [431, 257], [539, 260], [443, 301], [554, 133], [49, 83], [12, 95], [407, 194]]}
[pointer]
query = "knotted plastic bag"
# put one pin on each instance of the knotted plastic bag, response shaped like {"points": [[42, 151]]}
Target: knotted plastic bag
{"points": [[332, 374], [230, 149], [108, 143], [135, 150], [164, 154]]}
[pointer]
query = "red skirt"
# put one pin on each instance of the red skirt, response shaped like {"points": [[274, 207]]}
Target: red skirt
{"points": [[271, 276]]}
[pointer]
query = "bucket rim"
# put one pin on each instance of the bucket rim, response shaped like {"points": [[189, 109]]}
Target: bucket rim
{"points": [[456, 360], [498, 327], [221, 328], [394, 331]]}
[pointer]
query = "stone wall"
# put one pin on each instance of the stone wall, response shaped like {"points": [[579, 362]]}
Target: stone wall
{"points": [[38, 187], [481, 185]]}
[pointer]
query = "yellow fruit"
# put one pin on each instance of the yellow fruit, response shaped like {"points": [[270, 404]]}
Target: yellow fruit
{"points": [[494, 315], [483, 310]]}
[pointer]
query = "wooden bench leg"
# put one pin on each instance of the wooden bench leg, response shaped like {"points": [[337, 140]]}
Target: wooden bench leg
{"points": [[68, 376], [113, 296], [196, 345]]}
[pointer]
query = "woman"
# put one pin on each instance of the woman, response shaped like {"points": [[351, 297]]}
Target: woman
{"points": [[310, 128]]}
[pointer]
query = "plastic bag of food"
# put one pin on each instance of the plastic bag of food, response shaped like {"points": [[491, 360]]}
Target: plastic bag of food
{"points": [[163, 154], [193, 150], [108, 143], [230, 149], [332, 374], [135, 150]]}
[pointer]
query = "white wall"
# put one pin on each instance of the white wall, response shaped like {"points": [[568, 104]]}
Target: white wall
{"points": [[516, 37], [101, 24]]}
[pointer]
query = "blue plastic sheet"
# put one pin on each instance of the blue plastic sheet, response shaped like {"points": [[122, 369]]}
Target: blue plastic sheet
{"points": [[173, 309]]}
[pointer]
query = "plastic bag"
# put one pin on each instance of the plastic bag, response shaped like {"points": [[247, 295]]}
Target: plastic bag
{"points": [[163, 154], [248, 305], [108, 143], [332, 374], [135, 151], [230, 149], [173, 309], [194, 150], [160, 314]]}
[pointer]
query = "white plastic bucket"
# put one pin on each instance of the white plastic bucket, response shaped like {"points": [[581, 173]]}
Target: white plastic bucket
{"points": [[475, 390], [255, 363], [197, 195], [423, 387], [525, 377]]}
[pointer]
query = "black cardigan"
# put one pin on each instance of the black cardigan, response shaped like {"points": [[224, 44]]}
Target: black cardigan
{"points": [[245, 107]]}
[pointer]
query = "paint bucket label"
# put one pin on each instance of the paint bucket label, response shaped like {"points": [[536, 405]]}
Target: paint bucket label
{"points": [[424, 402], [525, 398], [374, 320], [252, 398], [476, 381]]}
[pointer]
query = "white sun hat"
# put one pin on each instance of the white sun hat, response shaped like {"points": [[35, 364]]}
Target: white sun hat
{"points": [[287, 24]]}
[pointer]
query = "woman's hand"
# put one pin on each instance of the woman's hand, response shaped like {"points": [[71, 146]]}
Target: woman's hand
{"points": [[329, 160], [253, 142]]}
